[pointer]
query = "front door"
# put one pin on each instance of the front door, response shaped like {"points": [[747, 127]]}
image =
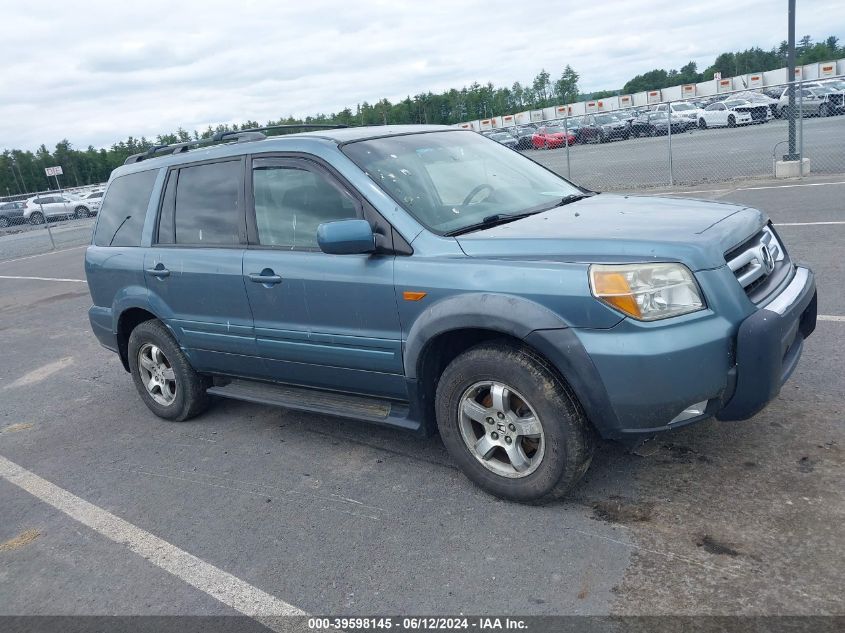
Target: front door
{"points": [[321, 320], [194, 269]]}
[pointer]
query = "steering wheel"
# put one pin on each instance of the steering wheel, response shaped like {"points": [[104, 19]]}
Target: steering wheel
{"points": [[476, 191]]}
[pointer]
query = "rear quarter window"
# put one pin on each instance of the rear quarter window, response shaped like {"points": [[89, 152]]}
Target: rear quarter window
{"points": [[124, 209]]}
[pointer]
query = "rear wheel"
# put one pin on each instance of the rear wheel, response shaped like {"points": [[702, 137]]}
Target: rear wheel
{"points": [[36, 218], [164, 378], [824, 110], [511, 424], [4, 222]]}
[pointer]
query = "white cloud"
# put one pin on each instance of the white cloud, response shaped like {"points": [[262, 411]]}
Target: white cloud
{"points": [[97, 72]]}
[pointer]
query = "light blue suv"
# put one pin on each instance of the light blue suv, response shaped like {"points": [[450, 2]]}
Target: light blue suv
{"points": [[428, 278]]}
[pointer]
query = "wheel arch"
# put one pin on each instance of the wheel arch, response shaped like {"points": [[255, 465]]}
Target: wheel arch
{"points": [[452, 326], [126, 321]]}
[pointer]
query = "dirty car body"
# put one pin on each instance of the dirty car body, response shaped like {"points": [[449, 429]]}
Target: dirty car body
{"points": [[430, 258]]}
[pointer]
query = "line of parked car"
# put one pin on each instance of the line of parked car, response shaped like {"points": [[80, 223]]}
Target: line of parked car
{"points": [[818, 98], [51, 206]]}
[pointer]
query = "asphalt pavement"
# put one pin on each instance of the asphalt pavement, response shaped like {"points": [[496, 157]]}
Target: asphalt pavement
{"points": [[340, 517], [714, 155]]}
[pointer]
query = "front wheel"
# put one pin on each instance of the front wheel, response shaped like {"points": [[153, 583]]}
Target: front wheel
{"points": [[164, 378], [36, 218], [511, 424], [824, 110], [702, 124], [4, 222], [731, 121], [80, 212]]}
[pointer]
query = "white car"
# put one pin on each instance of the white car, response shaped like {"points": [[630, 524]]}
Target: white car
{"points": [[55, 205], [688, 112], [92, 200], [726, 114]]}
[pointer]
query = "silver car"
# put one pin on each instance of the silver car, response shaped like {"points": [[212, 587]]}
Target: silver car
{"points": [[811, 101]]}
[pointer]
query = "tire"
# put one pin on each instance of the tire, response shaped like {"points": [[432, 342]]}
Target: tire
{"points": [[4, 222], [731, 121], [36, 218], [560, 452], [186, 397], [702, 124], [80, 212], [824, 110], [652, 131], [546, 145]]}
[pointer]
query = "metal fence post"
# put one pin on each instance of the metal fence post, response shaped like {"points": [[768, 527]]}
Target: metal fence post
{"points": [[566, 140], [801, 127], [47, 224], [669, 134]]}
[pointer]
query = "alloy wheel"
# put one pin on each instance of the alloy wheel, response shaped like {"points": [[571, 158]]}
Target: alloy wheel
{"points": [[501, 429], [157, 374]]}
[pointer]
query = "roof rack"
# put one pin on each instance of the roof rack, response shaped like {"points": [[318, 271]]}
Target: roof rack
{"points": [[240, 136]]}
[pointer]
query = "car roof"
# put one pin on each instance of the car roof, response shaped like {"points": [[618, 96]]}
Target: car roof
{"points": [[286, 142]]}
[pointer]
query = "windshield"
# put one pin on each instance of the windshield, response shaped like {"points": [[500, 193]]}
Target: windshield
{"points": [[603, 119], [553, 129], [451, 180], [682, 106]]}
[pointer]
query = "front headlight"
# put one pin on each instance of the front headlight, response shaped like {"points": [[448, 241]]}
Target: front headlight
{"points": [[646, 292]]}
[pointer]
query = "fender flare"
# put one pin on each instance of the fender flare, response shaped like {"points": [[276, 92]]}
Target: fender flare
{"points": [[503, 313]]}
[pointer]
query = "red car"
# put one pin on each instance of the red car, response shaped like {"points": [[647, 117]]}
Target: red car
{"points": [[550, 136]]}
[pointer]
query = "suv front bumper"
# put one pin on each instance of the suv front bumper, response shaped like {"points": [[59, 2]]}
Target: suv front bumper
{"points": [[768, 346], [638, 379]]}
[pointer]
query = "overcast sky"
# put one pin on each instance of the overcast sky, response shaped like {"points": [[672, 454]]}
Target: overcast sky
{"points": [[97, 72]]}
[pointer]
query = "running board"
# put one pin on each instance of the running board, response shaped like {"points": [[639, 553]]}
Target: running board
{"points": [[387, 412]]}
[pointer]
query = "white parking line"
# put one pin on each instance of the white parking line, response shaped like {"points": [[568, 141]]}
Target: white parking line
{"points": [[63, 250], [805, 184], [780, 224], [81, 281], [215, 582], [830, 317]]}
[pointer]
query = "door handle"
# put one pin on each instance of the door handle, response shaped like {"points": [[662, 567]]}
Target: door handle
{"points": [[161, 273], [261, 278]]}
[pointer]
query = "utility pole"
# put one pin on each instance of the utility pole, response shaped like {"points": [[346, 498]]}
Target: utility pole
{"points": [[790, 77]]}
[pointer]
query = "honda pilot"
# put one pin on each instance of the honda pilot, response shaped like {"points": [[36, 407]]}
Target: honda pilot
{"points": [[430, 279]]}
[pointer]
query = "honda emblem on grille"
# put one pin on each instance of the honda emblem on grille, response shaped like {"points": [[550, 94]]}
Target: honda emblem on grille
{"points": [[766, 259]]}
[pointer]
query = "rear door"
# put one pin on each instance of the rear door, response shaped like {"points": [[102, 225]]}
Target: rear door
{"points": [[194, 268], [321, 320]]}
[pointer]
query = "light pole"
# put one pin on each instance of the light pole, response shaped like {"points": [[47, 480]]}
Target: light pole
{"points": [[790, 77]]}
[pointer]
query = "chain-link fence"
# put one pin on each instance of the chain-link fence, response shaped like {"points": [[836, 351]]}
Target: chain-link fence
{"points": [[734, 135], [33, 223]]}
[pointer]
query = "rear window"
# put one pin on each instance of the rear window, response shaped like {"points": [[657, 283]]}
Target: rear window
{"points": [[208, 204], [124, 209]]}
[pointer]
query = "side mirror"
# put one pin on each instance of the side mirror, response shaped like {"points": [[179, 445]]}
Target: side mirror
{"points": [[346, 237]]}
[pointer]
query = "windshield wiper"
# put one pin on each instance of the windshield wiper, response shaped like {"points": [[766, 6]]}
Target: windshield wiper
{"points": [[503, 218], [573, 197], [490, 221]]}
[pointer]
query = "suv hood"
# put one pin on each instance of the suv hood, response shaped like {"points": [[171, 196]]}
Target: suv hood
{"points": [[615, 228]]}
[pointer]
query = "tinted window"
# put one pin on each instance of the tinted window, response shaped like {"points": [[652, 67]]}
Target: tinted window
{"points": [[207, 210], [291, 203], [121, 218], [166, 233]]}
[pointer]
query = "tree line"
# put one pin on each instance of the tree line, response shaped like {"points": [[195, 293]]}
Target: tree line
{"points": [[23, 171]]}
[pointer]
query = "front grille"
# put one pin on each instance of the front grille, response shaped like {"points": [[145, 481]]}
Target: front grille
{"points": [[760, 264]]}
